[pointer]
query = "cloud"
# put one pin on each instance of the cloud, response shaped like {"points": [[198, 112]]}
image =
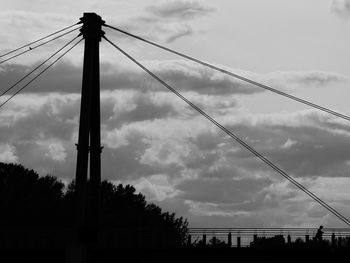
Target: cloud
{"points": [[180, 10], [320, 149], [65, 77], [211, 194], [56, 150], [25, 27], [160, 136], [166, 21], [153, 132], [184, 30], [277, 204], [8, 153], [220, 190], [181, 161], [185, 76], [157, 30], [190, 76], [156, 187], [292, 79], [289, 143], [152, 139], [341, 8]]}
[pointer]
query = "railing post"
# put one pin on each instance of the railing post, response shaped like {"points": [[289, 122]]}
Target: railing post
{"points": [[229, 239], [307, 238], [289, 240], [255, 238], [204, 239], [333, 240], [238, 242]]}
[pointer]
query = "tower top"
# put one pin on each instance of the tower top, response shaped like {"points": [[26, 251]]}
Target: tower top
{"points": [[92, 26]]}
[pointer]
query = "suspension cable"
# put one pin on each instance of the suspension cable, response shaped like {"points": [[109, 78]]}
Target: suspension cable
{"points": [[40, 39], [39, 45], [42, 63], [45, 69], [229, 73], [236, 138]]}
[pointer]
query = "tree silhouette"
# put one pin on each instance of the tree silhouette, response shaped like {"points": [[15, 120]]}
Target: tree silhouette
{"points": [[122, 207], [29, 200]]}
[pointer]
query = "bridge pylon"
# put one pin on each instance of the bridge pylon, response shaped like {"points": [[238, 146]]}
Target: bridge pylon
{"points": [[89, 141]]}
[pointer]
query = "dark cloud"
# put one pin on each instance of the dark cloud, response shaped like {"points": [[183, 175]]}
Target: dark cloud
{"points": [[141, 108], [66, 78], [180, 9], [189, 76], [63, 77], [316, 153], [216, 190], [122, 163], [310, 146], [341, 8], [45, 121]]}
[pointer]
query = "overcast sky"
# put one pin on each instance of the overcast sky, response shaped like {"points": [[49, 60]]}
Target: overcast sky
{"points": [[154, 141]]}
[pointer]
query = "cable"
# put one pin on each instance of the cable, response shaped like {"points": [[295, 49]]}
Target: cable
{"points": [[41, 44], [25, 76], [236, 138], [324, 109], [2, 104], [63, 29], [45, 69]]}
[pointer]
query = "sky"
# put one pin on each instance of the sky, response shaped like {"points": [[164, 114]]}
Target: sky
{"points": [[157, 143]]}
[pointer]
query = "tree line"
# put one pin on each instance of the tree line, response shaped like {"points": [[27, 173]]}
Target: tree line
{"points": [[30, 200]]}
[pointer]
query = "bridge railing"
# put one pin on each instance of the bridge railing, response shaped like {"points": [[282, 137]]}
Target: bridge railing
{"points": [[55, 237], [242, 237]]}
